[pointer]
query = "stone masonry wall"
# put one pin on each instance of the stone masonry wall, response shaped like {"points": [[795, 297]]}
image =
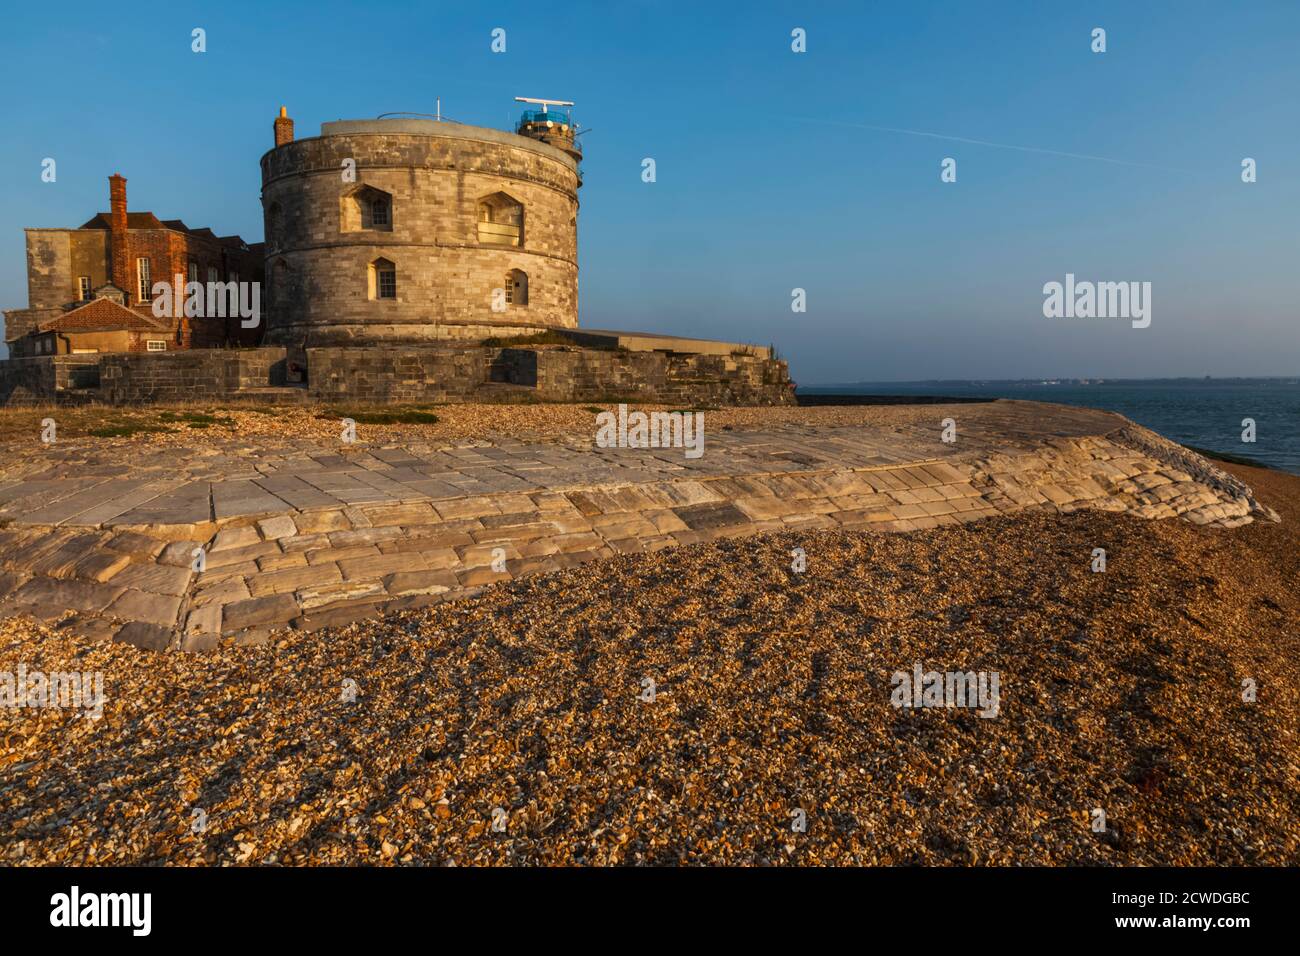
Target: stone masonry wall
{"points": [[318, 257], [591, 374], [395, 376], [37, 380], [401, 375], [556, 375], [131, 379], [27, 381]]}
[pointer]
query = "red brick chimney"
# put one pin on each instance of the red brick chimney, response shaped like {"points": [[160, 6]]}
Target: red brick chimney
{"points": [[283, 128], [118, 253]]}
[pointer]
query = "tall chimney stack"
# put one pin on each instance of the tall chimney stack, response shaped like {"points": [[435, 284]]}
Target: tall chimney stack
{"points": [[283, 128], [121, 276]]}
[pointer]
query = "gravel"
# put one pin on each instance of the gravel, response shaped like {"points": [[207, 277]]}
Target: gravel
{"points": [[1120, 691]]}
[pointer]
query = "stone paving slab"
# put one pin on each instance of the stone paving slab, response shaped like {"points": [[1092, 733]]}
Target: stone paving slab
{"points": [[293, 534]]}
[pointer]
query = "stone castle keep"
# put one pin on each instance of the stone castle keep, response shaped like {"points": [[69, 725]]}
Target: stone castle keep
{"points": [[402, 258], [448, 232]]}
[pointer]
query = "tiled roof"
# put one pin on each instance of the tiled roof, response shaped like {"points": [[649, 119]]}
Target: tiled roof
{"points": [[134, 220], [102, 315], [147, 220]]}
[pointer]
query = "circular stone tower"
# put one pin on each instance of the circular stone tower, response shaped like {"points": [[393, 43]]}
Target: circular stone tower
{"points": [[414, 231]]}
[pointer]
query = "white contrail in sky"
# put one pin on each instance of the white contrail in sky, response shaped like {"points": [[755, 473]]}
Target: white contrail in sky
{"points": [[984, 142]]}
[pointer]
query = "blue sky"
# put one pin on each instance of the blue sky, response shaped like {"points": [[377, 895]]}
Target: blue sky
{"points": [[775, 170]]}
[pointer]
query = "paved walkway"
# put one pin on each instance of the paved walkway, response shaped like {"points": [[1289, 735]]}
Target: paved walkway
{"points": [[302, 534]]}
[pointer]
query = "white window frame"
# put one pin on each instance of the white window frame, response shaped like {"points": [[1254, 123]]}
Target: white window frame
{"points": [[160, 343], [83, 288], [142, 276]]}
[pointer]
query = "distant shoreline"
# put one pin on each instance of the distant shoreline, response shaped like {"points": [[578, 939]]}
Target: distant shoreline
{"points": [[1057, 382]]}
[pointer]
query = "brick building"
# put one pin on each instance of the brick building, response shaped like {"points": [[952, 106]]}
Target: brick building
{"points": [[119, 255]]}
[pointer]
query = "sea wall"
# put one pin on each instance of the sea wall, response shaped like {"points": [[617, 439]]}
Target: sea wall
{"points": [[398, 375], [549, 375]]}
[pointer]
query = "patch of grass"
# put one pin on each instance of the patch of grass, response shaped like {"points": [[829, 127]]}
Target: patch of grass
{"points": [[537, 338], [396, 415], [196, 419]]}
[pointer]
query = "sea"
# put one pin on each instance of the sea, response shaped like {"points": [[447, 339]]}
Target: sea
{"points": [[1203, 413]]}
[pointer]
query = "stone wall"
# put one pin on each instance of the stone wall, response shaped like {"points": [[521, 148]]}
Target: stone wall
{"points": [[576, 375], [196, 375], [401, 375], [394, 376], [38, 380], [50, 286], [549, 375], [27, 381]]}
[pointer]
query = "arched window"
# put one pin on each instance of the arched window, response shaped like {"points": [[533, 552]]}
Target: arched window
{"points": [[517, 287], [501, 220], [277, 290], [382, 282], [365, 207], [274, 226]]}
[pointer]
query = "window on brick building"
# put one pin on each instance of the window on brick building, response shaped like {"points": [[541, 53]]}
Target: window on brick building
{"points": [[156, 345], [214, 274], [383, 280], [83, 287], [517, 287], [144, 286], [192, 272]]}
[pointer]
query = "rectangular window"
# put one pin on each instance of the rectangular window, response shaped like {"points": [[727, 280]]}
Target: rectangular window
{"points": [[83, 287], [234, 276], [192, 273], [142, 274], [379, 213], [156, 345], [387, 283], [214, 274]]}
